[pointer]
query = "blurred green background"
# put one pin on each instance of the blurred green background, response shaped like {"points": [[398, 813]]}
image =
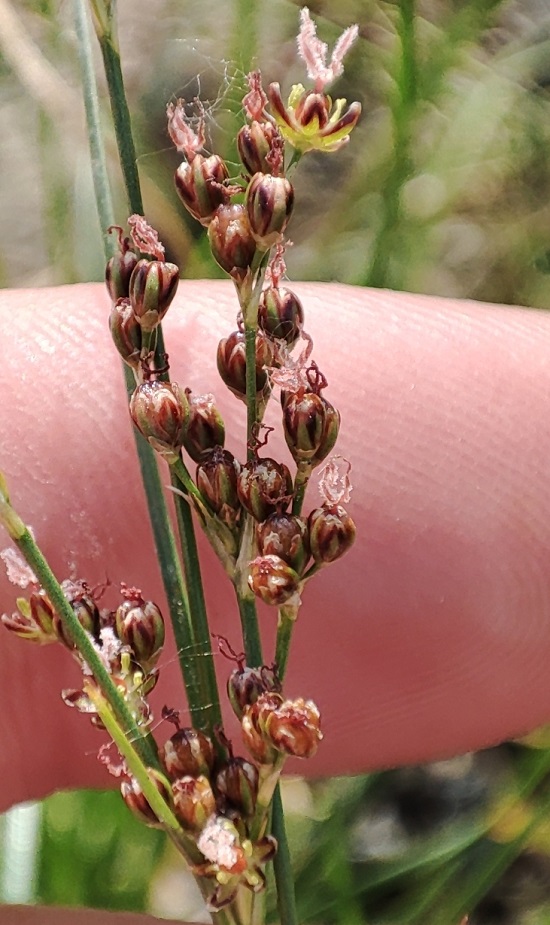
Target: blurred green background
{"points": [[444, 189]]}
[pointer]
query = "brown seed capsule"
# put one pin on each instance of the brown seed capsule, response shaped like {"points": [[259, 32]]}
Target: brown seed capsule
{"points": [[200, 186], [217, 481], [126, 332], [264, 486], [246, 684], [194, 801], [133, 796], [293, 727], [269, 203], [238, 782], [281, 314], [187, 752], [286, 536], [205, 428], [85, 610], [140, 626], [231, 359], [120, 267], [253, 728], [331, 533], [160, 411], [152, 287], [273, 580], [231, 240], [254, 143], [310, 426]]}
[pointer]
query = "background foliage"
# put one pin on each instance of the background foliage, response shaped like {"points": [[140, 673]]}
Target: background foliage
{"points": [[444, 189]]}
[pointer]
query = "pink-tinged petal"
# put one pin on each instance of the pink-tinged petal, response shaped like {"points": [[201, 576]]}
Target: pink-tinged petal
{"points": [[336, 131]]}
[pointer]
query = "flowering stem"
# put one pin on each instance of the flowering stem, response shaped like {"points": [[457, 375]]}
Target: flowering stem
{"points": [[246, 600], [187, 611], [34, 557], [282, 865], [206, 714], [300, 487], [91, 105], [287, 619]]}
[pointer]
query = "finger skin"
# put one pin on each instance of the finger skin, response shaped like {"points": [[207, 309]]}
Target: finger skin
{"points": [[431, 637]]}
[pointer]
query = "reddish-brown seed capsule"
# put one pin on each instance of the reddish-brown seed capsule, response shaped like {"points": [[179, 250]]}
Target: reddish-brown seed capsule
{"points": [[269, 204], [294, 727], [152, 287], [264, 486], [194, 801], [34, 619], [310, 426], [85, 610], [120, 267], [140, 626], [231, 360], [160, 411], [205, 428], [286, 536], [217, 480], [126, 332], [238, 782], [187, 752], [281, 314], [331, 532], [133, 796], [273, 580], [200, 186], [246, 684], [231, 240], [254, 143]]}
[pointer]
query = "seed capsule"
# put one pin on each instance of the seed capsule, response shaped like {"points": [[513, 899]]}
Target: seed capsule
{"points": [[264, 487], [246, 684], [231, 359], [187, 752], [331, 533], [231, 240], [205, 428], [152, 287], [273, 580], [194, 801], [281, 314], [133, 796], [310, 425], [200, 186], [34, 620], [238, 783], [217, 481], [269, 204], [126, 332], [273, 725], [286, 536], [85, 610], [140, 626], [120, 267], [254, 143], [160, 411]]}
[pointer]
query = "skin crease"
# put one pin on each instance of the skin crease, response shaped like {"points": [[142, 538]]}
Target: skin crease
{"points": [[430, 638]]}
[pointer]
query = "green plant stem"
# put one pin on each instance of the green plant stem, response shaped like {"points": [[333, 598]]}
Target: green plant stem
{"points": [[303, 475], [250, 331], [210, 713], [91, 106], [282, 865], [121, 116], [251, 634], [34, 557], [287, 619]]}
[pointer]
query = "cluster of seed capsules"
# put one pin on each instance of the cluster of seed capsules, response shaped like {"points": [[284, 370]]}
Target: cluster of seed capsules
{"points": [[242, 234], [220, 800]]}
